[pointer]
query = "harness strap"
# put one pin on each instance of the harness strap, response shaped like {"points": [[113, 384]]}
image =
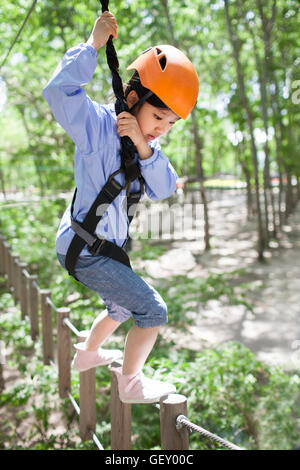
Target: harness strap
{"points": [[100, 247], [108, 193], [87, 237], [84, 230]]}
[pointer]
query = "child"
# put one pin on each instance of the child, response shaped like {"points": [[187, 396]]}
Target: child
{"points": [[167, 79]]}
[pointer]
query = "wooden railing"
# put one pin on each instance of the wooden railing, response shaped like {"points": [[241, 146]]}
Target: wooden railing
{"points": [[37, 306]]}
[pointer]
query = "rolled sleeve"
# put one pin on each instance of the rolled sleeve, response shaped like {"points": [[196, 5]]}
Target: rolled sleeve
{"points": [[159, 175], [152, 159], [70, 105]]}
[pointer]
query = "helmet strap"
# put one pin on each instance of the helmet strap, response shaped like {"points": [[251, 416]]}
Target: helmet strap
{"points": [[141, 100]]}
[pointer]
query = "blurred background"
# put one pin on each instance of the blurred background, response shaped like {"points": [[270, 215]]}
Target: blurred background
{"points": [[223, 251]]}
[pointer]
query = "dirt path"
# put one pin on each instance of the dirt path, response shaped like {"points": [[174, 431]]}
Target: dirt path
{"points": [[273, 331]]}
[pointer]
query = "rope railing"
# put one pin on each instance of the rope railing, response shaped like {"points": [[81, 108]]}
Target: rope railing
{"points": [[37, 306], [10, 203], [71, 326], [77, 410], [178, 217], [182, 420], [74, 403]]}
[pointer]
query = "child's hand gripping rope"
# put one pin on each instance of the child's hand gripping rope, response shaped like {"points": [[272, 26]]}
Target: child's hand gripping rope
{"points": [[104, 27], [127, 125]]}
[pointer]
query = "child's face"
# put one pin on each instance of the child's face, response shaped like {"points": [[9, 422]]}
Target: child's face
{"points": [[155, 122]]}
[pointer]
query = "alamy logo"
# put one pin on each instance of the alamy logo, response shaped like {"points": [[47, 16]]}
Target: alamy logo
{"points": [[296, 94], [160, 221], [296, 355]]}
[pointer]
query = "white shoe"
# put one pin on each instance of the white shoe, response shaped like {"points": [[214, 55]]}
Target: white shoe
{"points": [[137, 388], [85, 360]]}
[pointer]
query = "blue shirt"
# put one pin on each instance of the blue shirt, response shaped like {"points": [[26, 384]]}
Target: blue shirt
{"points": [[92, 127]]}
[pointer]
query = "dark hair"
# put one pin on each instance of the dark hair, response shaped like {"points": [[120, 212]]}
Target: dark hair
{"points": [[135, 84]]}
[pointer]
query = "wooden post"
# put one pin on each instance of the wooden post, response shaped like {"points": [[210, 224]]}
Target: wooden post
{"points": [[149, 224], [9, 255], [87, 400], [11, 283], [18, 280], [172, 223], [160, 223], [194, 217], [63, 354], [23, 290], [15, 277], [46, 326], [11, 271], [33, 307], [6, 263], [11, 274], [120, 417], [171, 406], [2, 255]]}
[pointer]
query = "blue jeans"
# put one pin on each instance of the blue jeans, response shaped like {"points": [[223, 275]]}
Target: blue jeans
{"points": [[124, 292]]}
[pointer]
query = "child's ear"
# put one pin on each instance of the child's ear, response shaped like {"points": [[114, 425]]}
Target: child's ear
{"points": [[132, 98]]}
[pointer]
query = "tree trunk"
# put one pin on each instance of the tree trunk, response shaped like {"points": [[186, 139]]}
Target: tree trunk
{"points": [[289, 199], [2, 383], [2, 183], [242, 93], [292, 145], [170, 25], [198, 141], [263, 105], [267, 26], [278, 130], [287, 187], [247, 176], [199, 169]]}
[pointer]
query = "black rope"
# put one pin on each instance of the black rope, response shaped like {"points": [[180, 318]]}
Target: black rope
{"points": [[113, 63], [182, 420], [127, 147]]}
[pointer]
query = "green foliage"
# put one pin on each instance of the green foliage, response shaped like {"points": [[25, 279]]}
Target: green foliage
{"points": [[20, 224], [229, 391], [35, 151], [34, 398], [235, 396]]}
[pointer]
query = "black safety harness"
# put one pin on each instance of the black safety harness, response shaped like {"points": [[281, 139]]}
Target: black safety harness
{"points": [[84, 231]]}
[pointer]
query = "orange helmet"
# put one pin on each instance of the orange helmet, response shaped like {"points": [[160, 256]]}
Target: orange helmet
{"points": [[170, 75]]}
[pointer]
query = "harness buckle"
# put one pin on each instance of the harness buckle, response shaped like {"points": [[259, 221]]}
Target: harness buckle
{"points": [[94, 249]]}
